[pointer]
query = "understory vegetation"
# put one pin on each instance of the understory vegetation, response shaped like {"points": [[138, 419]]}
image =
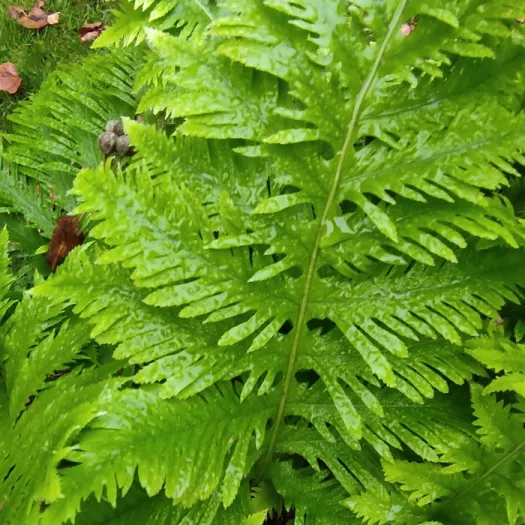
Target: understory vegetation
{"points": [[37, 53], [300, 300]]}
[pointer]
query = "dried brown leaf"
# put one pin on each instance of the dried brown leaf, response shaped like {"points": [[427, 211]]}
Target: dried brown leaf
{"points": [[37, 13], [16, 12], [9, 79], [66, 236], [92, 26], [89, 32], [37, 18], [52, 19]]}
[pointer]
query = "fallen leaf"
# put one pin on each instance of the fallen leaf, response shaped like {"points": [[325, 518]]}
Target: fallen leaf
{"points": [[89, 32], [52, 19], [9, 79], [16, 12], [35, 19], [66, 236]]}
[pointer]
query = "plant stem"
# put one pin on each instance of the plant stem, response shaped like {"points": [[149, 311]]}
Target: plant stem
{"points": [[348, 142]]}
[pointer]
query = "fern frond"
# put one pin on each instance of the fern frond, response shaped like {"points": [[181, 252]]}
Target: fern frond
{"points": [[34, 348], [22, 197], [258, 38], [202, 471], [426, 231], [408, 111], [55, 132], [480, 480], [450, 169], [186, 278], [291, 279], [28, 466], [417, 376], [430, 435], [39, 441], [314, 497], [197, 444], [187, 373], [5, 277], [451, 310], [181, 360], [206, 167], [502, 355], [166, 249], [382, 506], [445, 165], [137, 508], [133, 18], [148, 246], [118, 314], [218, 99]]}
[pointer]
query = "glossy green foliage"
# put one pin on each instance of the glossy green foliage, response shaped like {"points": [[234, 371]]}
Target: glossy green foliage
{"points": [[55, 132], [135, 17], [478, 480], [289, 285]]}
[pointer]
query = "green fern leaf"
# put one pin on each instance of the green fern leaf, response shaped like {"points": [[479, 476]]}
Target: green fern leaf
{"points": [[134, 17], [288, 280], [23, 196], [478, 482], [135, 508], [38, 442], [55, 132], [502, 355], [236, 104], [5, 278], [194, 475], [313, 497], [213, 293], [31, 327]]}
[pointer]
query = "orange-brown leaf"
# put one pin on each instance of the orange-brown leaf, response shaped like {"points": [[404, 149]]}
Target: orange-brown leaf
{"points": [[53, 18], [37, 18], [89, 32], [16, 12], [66, 236], [9, 79]]}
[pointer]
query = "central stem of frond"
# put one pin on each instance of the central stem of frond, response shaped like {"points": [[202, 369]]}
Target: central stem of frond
{"points": [[312, 264]]}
